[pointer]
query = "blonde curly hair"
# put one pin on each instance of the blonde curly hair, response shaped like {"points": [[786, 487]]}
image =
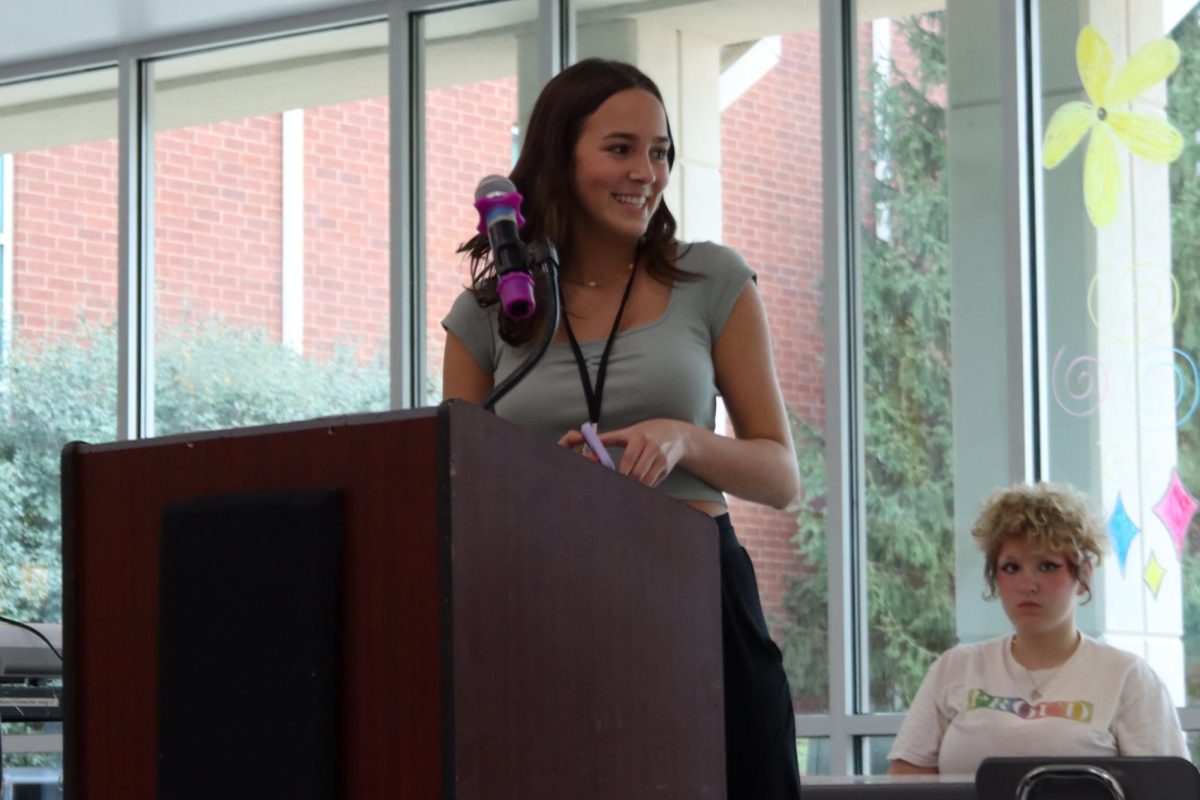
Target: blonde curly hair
{"points": [[1051, 518]]}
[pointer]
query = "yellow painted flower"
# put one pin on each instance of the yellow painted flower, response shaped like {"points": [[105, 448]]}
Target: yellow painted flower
{"points": [[1147, 136]]}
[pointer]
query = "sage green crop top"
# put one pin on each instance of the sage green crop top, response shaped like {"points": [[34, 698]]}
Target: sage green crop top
{"points": [[663, 369]]}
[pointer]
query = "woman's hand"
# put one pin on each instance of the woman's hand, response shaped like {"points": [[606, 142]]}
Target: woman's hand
{"points": [[652, 448], [573, 440]]}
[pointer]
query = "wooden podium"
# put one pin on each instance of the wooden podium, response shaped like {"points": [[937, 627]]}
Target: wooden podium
{"points": [[513, 621]]}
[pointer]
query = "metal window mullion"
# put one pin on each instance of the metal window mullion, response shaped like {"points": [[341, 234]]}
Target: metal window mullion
{"points": [[809, 726], [570, 32], [1026, 36], [856, 726], [406, 272], [841, 376], [1189, 718], [7, 261], [1024, 328], [863, 725], [134, 250], [552, 38], [32, 743]]}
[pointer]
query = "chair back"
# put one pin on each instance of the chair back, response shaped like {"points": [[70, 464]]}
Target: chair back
{"points": [[1133, 778]]}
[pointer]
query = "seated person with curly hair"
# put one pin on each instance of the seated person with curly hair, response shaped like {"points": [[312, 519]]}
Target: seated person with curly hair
{"points": [[1046, 689]]}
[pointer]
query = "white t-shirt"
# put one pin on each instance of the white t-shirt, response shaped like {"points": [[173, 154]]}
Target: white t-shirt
{"points": [[976, 702]]}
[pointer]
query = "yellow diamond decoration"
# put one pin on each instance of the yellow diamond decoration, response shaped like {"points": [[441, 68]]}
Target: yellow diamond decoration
{"points": [[1153, 574]]}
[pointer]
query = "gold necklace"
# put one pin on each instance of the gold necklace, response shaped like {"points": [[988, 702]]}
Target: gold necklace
{"points": [[597, 284], [1036, 694]]}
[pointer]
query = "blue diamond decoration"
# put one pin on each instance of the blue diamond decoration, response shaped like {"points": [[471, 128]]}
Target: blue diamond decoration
{"points": [[1122, 530]]}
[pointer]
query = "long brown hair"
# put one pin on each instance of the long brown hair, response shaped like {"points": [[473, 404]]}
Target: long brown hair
{"points": [[544, 175]]}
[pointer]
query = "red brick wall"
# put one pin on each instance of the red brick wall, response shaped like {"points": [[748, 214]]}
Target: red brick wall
{"points": [[771, 174], [64, 238], [468, 134], [217, 223], [346, 174]]}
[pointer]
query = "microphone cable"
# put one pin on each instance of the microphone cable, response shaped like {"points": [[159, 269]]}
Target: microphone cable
{"points": [[543, 253], [34, 631]]}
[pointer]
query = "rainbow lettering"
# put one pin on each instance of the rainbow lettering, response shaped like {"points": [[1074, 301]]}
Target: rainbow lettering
{"points": [[1075, 710]]}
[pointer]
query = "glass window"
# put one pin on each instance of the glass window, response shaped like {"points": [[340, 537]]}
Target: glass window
{"points": [[58, 381], [875, 753], [909, 107], [4, 175], [741, 82], [812, 754], [1118, 206], [58, 344], [33, 760], [1183, 109], [270, 257], [271, 231], [481, 70]]}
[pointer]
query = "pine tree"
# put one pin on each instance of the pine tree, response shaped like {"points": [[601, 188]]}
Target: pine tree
{"points": [[1183, 102], [904, 263]]}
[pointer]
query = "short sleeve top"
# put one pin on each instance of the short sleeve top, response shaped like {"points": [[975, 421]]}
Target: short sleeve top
{"points": [[663, 369]]}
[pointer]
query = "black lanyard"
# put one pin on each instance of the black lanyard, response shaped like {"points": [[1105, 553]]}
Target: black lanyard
{"points": [[594, 396]]}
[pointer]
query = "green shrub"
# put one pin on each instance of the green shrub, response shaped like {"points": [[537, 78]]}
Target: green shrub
{"points": [[208, 376]]}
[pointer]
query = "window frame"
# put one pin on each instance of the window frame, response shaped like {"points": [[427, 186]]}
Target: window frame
{"points": [[6, 256], [847, 724]]}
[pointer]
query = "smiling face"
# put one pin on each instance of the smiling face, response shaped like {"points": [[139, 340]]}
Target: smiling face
{"points": [[620, 167], [1038, 590]]}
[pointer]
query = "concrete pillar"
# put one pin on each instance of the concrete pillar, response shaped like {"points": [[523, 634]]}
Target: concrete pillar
{"points": [[982, 387]]}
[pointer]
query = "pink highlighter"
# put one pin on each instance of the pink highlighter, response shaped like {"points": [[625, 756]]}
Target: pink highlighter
{"points": [[593, 443]]}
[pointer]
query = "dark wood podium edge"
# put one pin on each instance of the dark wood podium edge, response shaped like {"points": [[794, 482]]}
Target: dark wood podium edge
{"points": [[74, 615], [445, 574], [70, 637], [316, 423]]}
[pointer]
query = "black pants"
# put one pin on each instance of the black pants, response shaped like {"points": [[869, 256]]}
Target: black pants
{"points": [[760, 726]]}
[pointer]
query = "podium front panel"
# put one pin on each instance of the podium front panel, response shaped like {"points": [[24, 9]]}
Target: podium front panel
{"points": [[586, 627], [385, 467]]}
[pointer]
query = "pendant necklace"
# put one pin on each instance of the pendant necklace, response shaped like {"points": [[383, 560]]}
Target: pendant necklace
{"points": [[597, 284], [1036, 694]]}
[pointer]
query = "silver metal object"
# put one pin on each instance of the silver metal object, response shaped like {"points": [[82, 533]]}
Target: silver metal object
{"points": [[1084, 771]]}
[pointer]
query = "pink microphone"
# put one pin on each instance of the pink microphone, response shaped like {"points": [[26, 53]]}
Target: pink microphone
{"points": [[499, 207]]}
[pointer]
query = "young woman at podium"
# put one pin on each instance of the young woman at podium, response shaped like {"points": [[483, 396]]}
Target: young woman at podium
{"points": [[653, 329]]}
